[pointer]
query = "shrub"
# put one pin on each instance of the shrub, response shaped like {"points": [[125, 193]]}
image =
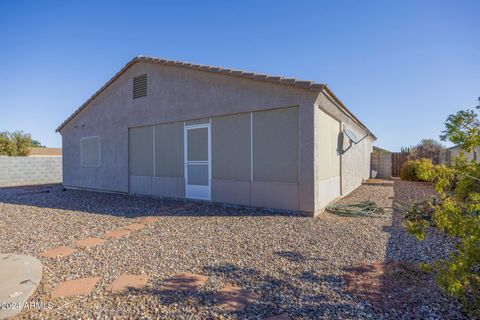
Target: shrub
{"points": [[458, 214], [15, 143], [409, 171], [418, 170], [425, 170], [427, 148], [465, 187]]}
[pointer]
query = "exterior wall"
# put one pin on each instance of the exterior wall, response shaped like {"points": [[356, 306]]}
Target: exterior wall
{"points": [[22, 171], [327, 163], [177, 95], [454, 152], [354, 164]]}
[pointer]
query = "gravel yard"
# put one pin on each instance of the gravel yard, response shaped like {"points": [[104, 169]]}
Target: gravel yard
{"points": [[307, 268]]}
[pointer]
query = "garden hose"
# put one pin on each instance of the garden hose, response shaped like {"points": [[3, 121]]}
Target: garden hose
{"points": [[365, 208]]}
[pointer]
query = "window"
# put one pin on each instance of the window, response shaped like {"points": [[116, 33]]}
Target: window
{"points": [[140, 86], [90, 152]]}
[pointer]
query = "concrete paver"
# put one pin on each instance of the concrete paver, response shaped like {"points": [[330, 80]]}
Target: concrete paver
{"points": [[117, 233], [128, 281], [76, 287], [184, 282], [89, 242], [234, 298], [56, 252], [135, 226]]}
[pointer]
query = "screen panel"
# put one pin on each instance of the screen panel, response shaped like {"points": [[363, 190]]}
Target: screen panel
{"points": [[275, 145], [140, 150], [231, 147], [169, 150]]}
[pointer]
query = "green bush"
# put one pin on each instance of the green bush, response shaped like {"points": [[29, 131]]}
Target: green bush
{"points": [[418, 170], [409, 171], [426, 170], [15, 144]]}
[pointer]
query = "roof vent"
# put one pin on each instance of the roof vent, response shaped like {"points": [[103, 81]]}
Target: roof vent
{"points": [[140, 86]]}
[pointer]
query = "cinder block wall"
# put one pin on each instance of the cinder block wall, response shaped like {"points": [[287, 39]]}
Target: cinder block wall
{"points": [[381, 162], [21, 171]]}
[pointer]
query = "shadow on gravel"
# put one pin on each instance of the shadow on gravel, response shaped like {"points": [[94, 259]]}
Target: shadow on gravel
{"points": [[54, 197], [397, 287], [294, 256], [282, 293]]}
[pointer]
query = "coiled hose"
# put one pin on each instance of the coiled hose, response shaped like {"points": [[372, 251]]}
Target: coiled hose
{"points": [[365, 208]]}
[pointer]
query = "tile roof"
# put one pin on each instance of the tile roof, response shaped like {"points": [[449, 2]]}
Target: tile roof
{"points": [[301, 84]]}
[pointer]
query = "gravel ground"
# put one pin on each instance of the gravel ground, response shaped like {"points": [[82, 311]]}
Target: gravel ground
{"points": [[296, 265]]}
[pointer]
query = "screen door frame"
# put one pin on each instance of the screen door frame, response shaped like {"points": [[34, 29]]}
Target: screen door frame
{"points": [[201, 192]]}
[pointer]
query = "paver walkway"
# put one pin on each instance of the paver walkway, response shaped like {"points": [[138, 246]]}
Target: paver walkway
{"points": [[230, 297]]}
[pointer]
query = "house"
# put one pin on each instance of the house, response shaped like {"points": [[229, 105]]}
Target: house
{"points": [[172, 129], [454, 152], [45, 152]]}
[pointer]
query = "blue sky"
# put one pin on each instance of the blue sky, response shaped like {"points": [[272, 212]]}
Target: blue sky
{"points": [[400, 66]]}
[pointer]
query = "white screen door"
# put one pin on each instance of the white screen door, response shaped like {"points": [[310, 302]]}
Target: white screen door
{"points": [[197, 161]]}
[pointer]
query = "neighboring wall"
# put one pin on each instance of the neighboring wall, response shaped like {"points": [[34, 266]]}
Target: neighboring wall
{"points": [[381, 165], [354, 163], [22, 171], [454, 152], [177, 95]]}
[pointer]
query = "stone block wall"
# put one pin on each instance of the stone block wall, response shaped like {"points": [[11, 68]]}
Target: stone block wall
{"points": [[21, 171], [381, 162]]}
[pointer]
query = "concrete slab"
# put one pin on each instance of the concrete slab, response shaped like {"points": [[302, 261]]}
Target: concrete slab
{"points": [[19, 277], [58, 252], [379, 182], [128, 281], [234, 298], [89, 242], [76, 287], [184, 282]]}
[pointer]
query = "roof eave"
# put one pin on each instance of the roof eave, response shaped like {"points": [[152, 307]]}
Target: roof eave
{"points": [[300, 84], [291, 82], [329, 93]]}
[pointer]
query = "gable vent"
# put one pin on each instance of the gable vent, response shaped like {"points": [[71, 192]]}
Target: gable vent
{"points": [[140, 86]]}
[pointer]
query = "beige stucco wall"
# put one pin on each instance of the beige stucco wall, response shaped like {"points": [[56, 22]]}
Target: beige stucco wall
{"points": [[326, 140], [176, 95], [354, 164]]}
